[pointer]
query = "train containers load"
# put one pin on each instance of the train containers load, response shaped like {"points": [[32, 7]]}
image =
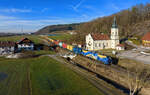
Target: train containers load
{"points": [[60, 44], [56, 42], [77, 50], [64, 45], [70, 47], [51, 40]]}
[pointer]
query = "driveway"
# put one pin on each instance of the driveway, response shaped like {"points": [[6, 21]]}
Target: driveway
{"points": [[136, 54]]}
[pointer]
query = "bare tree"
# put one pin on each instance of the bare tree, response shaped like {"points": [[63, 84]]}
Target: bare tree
{"points": [[138, 78]]}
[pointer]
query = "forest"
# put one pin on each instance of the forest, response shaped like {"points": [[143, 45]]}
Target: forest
{"points": [[134, 21]]}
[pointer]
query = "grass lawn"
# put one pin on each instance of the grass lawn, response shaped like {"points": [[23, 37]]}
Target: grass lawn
{"points": [[61, 37], [43, 52], [137, 42], [47, 77], [34, 38]]}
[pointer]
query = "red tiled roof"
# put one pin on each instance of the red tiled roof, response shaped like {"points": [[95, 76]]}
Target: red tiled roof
{"points": [[146, 36], [121, 45], [23, 39], [100, 37], [6, 44]]}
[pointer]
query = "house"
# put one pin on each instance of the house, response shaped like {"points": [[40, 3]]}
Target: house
{"points": [[146, 40], [25, 44], [120, 47], [7, 47], [103, 41]]}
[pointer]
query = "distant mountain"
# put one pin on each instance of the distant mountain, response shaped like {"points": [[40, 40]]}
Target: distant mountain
{"points": [[61, 27]]}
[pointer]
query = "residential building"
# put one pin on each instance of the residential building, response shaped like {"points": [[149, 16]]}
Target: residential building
{"points": [[146, 40], [7, 47], [25, 44]]}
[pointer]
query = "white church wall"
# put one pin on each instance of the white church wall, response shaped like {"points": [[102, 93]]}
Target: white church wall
{"points": [[89, 42]]}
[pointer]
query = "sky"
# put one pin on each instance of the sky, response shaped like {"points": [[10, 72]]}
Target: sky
{"points": [[31, 15]]}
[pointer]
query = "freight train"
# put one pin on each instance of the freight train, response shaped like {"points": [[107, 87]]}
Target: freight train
{"points": [[77, 50]]}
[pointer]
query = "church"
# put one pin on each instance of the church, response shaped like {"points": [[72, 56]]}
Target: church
{"points": [[103, 41]]}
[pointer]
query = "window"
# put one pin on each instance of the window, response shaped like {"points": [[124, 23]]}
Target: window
{"points": [[99, 44], [95, 45], [106, 44]]}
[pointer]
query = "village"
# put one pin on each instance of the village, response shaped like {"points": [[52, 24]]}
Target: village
{"points": [[98, 51], [93, 42], [75, 47]]}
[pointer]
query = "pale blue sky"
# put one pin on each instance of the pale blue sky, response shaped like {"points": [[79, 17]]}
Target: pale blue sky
{"points": [[35, 14]]}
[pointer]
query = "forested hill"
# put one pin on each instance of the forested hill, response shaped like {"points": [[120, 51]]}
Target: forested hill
{"points": [[131, 22], [53, 28]]}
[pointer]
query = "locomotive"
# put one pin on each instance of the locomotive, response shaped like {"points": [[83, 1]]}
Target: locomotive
{"points": [[77, 50]]}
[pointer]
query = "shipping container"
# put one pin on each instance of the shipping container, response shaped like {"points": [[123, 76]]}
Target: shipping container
{"points": [[64, 45], [56, 42], [60, 44], [70, 47]]}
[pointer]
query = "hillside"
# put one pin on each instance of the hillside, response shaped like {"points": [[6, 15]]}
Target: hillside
{"points": [[54, 28], [134, 21]]}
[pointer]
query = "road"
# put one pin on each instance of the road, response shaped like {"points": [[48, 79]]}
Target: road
{"points": [[136, 54], [103, 87]]}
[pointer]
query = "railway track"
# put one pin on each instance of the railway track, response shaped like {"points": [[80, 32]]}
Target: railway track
{"points": [[91, 76]]}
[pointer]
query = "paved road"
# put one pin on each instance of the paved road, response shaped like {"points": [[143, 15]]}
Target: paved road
{"points": [[136, 54]]}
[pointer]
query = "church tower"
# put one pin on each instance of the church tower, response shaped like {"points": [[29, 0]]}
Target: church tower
{"points": [[114, 34]]}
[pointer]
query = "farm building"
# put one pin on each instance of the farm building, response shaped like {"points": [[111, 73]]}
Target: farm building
{"points": [[103, 41], [25, 44], [7, 47], [146, 40]]}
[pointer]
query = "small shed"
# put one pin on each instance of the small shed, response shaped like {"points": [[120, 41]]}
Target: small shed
{"points": [[120, 47]]}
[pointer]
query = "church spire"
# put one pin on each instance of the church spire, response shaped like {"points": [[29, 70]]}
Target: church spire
{"points": [[114, 25]]}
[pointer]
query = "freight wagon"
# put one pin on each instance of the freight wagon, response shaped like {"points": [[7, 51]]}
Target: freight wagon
{"points": [[77, 50]]}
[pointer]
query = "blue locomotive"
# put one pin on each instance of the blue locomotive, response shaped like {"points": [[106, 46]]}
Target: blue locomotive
{"points": [[102, 58]]}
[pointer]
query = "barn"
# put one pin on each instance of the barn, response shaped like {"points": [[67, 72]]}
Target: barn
{"points": [[25, 44]]}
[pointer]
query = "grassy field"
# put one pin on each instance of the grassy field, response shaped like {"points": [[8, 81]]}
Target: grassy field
{"points": [[61, 37], [41, 76], [34, 38]]}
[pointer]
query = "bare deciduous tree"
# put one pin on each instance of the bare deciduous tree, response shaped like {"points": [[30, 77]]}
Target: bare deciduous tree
{"points": [[138, 78]]}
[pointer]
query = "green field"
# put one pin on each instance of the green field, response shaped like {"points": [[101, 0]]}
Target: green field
{"points": [[41, 76], [34, 38], [61, 37]]}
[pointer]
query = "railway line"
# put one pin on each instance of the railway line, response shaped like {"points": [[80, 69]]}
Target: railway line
{"points": [[108, 79], [91, 76]]}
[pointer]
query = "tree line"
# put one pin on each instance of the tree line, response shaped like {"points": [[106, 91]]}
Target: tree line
{"points": [[126, 19]]}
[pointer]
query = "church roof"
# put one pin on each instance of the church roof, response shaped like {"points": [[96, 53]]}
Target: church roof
{"points": [[146, 36], [100, 37]]}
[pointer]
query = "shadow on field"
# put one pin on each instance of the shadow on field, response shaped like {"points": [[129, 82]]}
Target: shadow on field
{"points": [[3, 76]]}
